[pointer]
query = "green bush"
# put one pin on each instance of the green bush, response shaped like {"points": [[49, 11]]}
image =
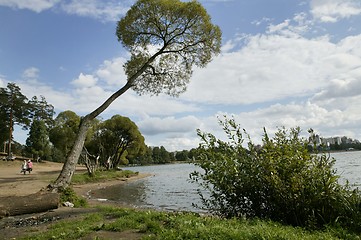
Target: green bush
{"points": [[69, 195], [280, 180]]}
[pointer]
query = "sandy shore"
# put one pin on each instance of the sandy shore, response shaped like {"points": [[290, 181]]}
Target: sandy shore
{"points": [[14, 183]]}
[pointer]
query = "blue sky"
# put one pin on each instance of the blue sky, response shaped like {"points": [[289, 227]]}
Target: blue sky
{"points": [[283, 63]]}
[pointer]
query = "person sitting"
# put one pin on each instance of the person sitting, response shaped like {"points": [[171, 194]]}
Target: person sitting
{"points": [[24, 167]]}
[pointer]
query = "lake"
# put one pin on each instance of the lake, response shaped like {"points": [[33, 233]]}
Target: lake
{"points": [[348, 165], [169, 188]]}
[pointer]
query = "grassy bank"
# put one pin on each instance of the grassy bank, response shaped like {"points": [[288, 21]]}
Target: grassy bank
{"points": [[125, 223], [98, 176], [121, 223]]}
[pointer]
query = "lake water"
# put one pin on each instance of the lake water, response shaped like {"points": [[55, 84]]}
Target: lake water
{"points": [[169, 188], [348, 165]]}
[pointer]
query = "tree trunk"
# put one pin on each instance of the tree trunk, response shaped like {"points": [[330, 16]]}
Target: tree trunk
{"points": [[34, 203], [10, 135], [68, 169], [69, 166]]}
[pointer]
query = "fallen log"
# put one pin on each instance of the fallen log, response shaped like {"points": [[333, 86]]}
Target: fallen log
{"points": [[34, 203]]}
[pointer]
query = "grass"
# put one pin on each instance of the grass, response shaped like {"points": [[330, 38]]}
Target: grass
{"points": [[123, 223], [150, 224], [99, 176]]}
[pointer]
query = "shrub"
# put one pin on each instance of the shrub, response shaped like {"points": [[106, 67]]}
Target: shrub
{"points": [[69, 195], [280, 180]]}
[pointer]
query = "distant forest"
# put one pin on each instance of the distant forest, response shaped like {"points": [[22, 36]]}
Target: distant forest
{"points": [[343, 146]]}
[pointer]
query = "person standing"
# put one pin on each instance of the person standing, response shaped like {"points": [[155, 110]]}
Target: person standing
{"points": [[30, 166]]}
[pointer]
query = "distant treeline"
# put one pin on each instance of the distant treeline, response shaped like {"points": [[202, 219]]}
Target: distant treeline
{"points": [[337, 147], [345, 146], [159, 155]]}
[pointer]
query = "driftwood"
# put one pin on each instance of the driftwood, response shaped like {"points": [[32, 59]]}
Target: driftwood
{"points": [[34, 203]]}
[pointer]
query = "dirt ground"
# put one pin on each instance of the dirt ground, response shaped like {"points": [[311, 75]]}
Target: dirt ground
{"points": [[14, 183]]}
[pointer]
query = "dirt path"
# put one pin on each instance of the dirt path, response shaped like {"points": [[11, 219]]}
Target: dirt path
{"points": [[14, 183]]}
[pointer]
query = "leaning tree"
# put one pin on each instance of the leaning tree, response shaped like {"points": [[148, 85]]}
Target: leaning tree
{"points": [[166, 39]]}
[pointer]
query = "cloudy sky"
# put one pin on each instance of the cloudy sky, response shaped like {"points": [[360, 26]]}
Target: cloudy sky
{"points": [[283, 63]]}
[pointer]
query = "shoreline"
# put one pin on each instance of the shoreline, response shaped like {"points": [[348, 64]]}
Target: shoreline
{"points": [[85, 190]]}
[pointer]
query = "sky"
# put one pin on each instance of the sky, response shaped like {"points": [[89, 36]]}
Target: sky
{"points": [[283, 64]]}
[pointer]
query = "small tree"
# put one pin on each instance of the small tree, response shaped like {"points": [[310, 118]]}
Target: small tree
{"points": [[38, 143], [115, 139], [166, 39], [280, 180]]}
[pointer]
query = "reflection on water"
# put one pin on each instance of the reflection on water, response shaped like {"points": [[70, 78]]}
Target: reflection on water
{"points": [[169, 189]]}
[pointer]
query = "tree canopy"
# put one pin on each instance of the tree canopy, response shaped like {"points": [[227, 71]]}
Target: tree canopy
{"points": [[117, 138], [14, 110], [38, 143], [42, 110], [166, 39], [15, 104], [63, 134]]}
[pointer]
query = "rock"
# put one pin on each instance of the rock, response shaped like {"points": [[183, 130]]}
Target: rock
{"points": [[68, 204]]}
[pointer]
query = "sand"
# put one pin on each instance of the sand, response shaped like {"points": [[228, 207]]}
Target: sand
{"points": [[14, 183]]}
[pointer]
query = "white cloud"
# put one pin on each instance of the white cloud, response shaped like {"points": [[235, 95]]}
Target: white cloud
{"points": [[2, 82], [263, 20], [178, 143], [110, 10], [275, 66], [154, 126], [305, 115], [111, 71], [295, 27], [31, 73], [61, 100], [103, 10], [279, 27], [34, 5], [142, 106], [334, 10], [84, 81], [261, 70], [340, 94]]}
